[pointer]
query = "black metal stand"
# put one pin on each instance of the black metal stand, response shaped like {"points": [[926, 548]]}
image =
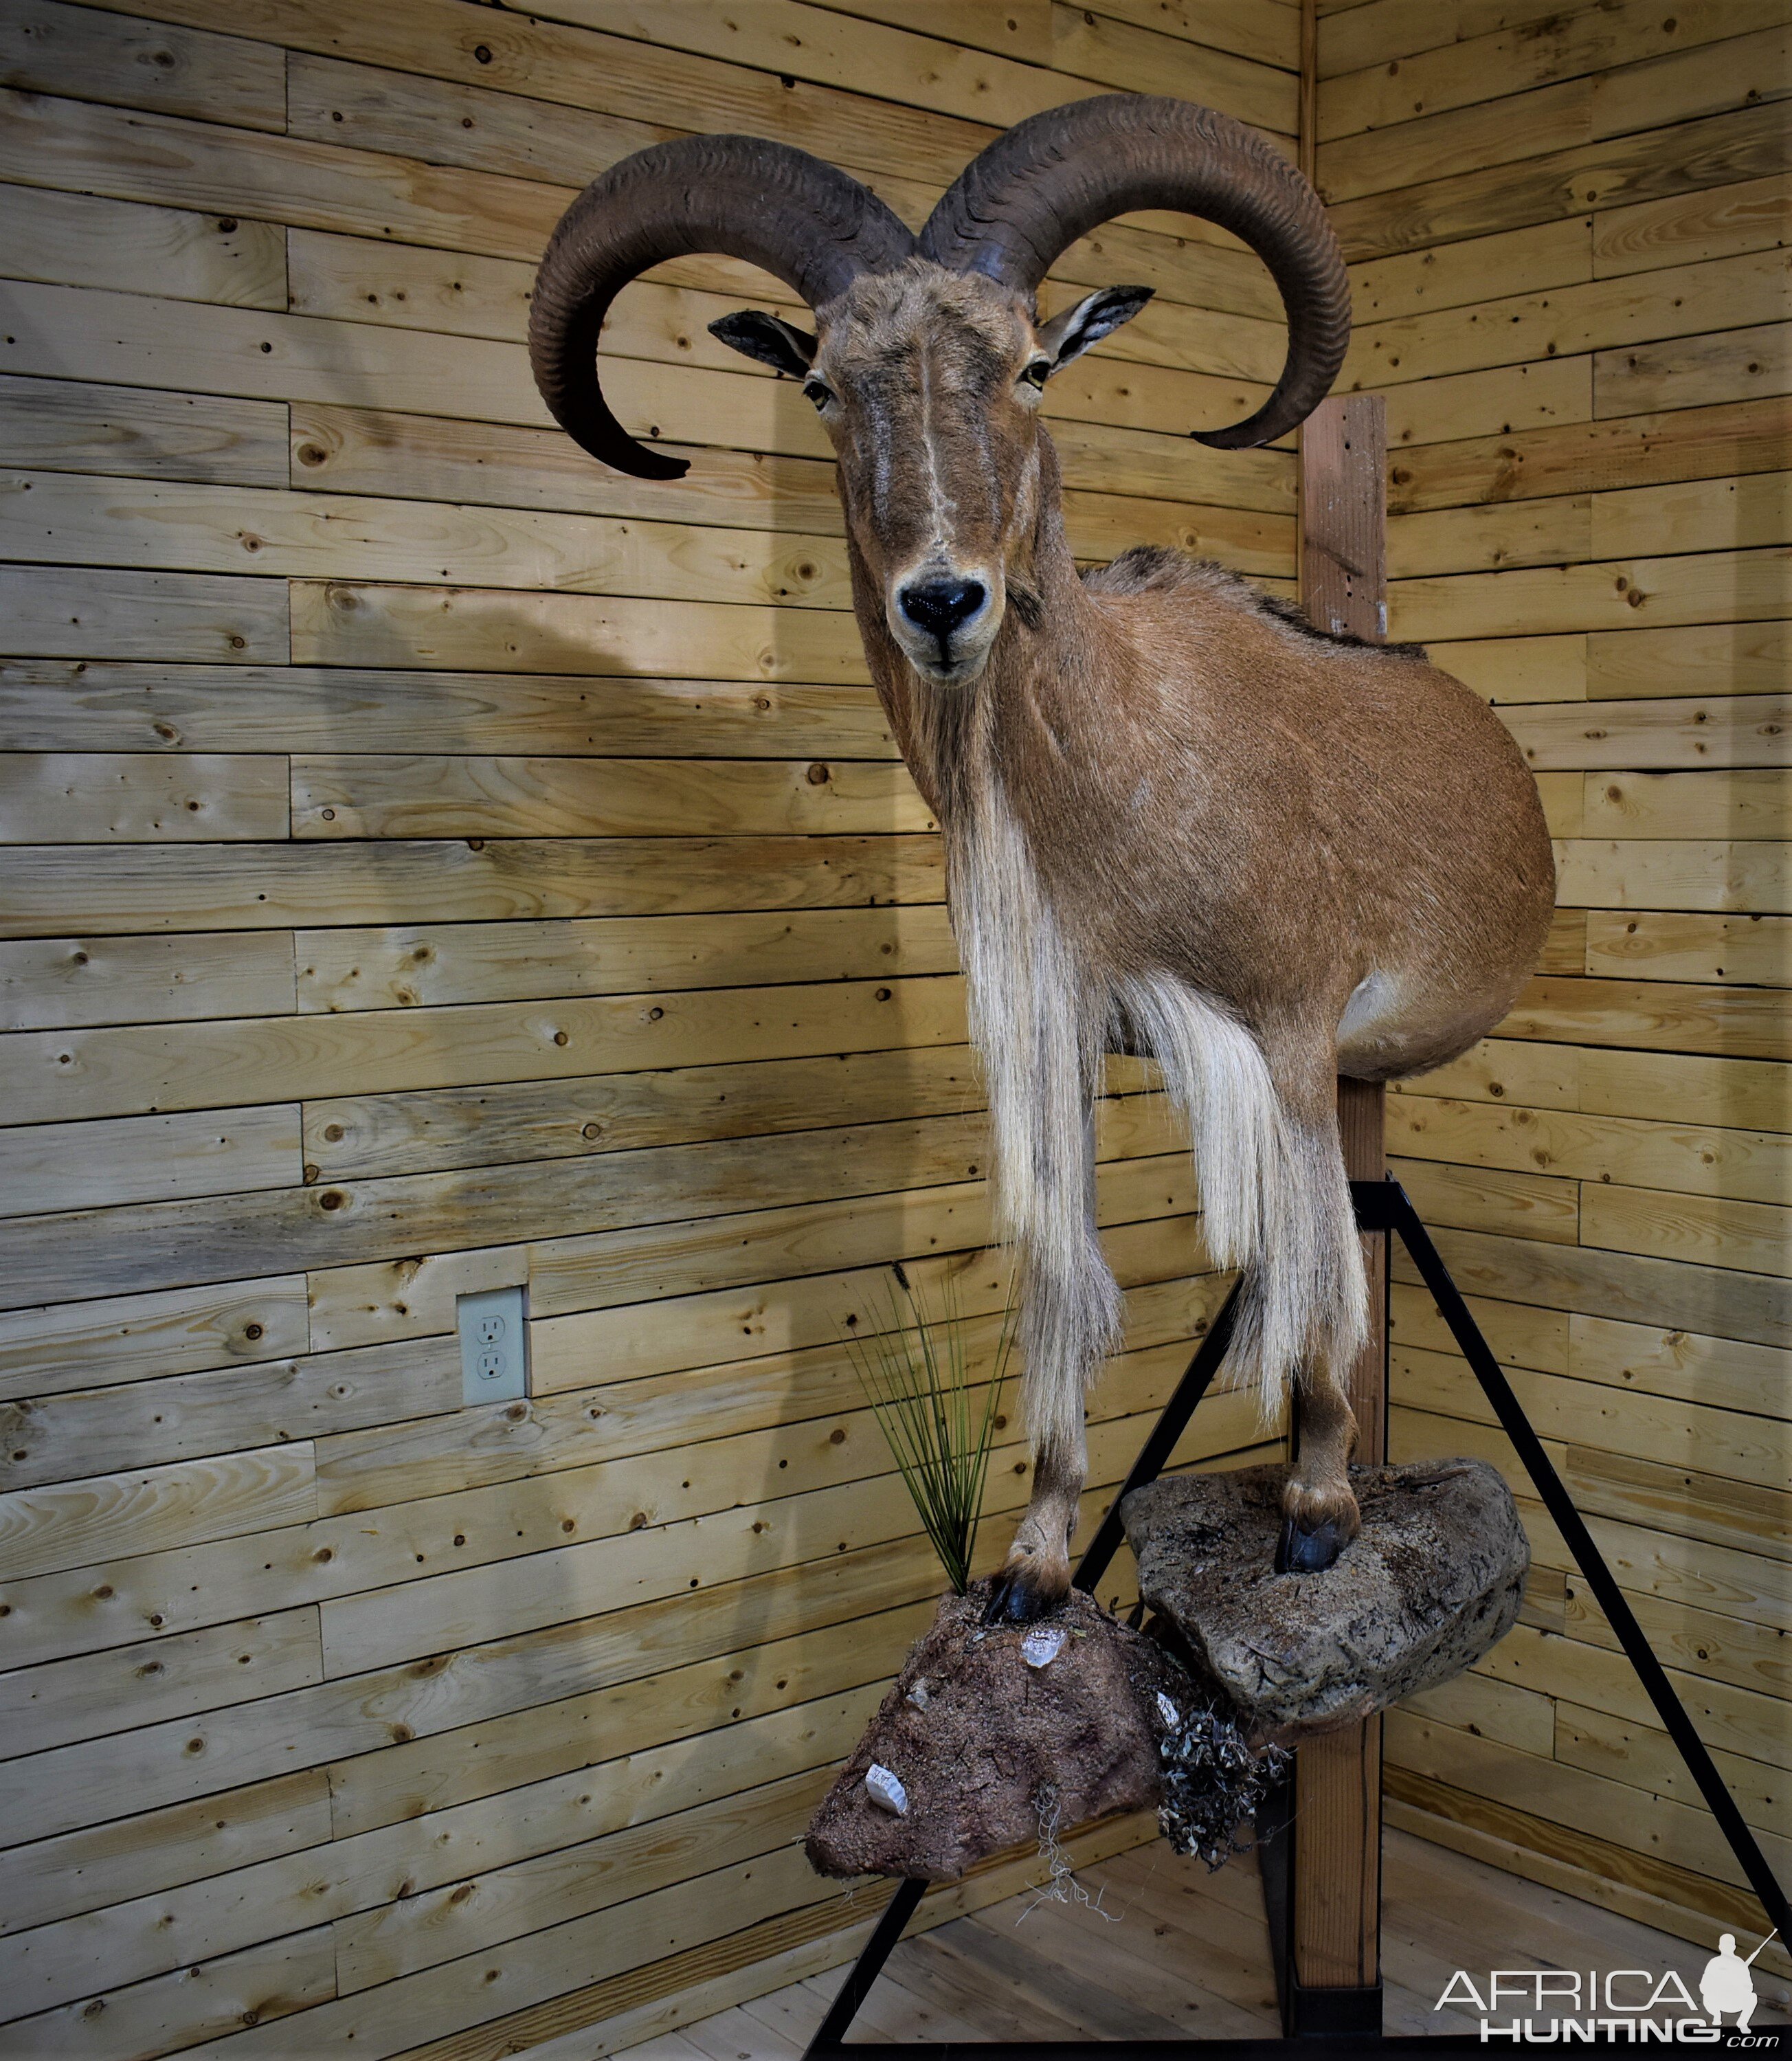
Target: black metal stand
{"points": [[1347, 2019], [1385, 1204]]}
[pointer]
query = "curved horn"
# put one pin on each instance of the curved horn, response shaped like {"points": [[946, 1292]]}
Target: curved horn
{"points": [[1014, 211], [774, 206]]}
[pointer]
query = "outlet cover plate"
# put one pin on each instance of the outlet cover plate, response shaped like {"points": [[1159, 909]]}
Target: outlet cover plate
{"points": [[493, 1345]]}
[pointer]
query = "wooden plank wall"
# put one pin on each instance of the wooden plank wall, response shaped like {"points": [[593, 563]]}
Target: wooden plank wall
{"points": [[1568, 229], [434, 863]]}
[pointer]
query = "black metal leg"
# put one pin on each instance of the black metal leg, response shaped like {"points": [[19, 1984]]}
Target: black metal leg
{"points": [[1404, 1219], [1172, 1422], [866, 1970], [1275, 1857]]}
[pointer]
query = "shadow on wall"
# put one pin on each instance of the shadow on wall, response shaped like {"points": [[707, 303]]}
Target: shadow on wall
{"points": [[690, 971]]}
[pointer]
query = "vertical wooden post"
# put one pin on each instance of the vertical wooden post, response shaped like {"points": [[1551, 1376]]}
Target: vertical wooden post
{"points": [[1335, 1901], [1344, 515]]}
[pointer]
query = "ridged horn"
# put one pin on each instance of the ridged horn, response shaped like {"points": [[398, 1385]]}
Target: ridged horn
{"points": [[813, 227], [1015, 209]]}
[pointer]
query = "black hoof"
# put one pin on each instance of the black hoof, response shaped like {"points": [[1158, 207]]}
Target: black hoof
{"points": [[1015, 1600], [1300, 1552]]}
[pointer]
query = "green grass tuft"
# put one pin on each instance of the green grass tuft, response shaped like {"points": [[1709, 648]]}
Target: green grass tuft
{"points": [[916, 1374]]}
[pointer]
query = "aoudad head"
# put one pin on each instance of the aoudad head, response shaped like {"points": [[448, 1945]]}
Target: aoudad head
{"points": [[929, 362], [929, 384]]}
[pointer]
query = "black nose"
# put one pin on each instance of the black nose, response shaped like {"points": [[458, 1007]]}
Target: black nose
{"points": [[938, 607]]}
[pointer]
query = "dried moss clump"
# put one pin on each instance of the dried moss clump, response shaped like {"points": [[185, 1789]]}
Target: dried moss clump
{"points": [[1214, 1782]]}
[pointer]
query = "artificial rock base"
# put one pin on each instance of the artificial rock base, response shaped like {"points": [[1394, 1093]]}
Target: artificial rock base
{"points": [[1432, 1581], [991, 1751]]}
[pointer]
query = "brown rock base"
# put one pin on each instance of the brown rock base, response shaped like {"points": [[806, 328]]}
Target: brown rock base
{"points": [[1433, 1580], [991, 1751]]}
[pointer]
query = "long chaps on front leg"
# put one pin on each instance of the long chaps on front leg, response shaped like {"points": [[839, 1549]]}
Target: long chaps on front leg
{"points": [[1275, 1203], [1039, 1020]]}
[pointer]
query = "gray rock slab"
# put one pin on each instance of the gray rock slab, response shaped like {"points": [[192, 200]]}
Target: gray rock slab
{"points": [[1433, 1580]]}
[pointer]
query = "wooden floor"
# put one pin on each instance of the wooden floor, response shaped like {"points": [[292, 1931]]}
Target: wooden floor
{"points": [[1170, 1951]]}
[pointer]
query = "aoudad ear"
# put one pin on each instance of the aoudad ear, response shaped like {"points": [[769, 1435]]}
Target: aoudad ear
{"points": [[772, 341], [1073, 330]]}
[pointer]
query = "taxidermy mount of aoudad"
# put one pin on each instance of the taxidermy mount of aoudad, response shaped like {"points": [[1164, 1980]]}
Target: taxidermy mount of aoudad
{"points": [[1178, 821]]}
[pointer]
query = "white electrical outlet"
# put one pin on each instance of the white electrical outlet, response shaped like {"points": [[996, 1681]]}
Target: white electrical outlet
{"points": [[493, 1345]]}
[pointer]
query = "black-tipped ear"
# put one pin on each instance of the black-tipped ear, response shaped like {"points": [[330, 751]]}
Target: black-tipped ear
{"points": [[776, 343], [1070, 333]]}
